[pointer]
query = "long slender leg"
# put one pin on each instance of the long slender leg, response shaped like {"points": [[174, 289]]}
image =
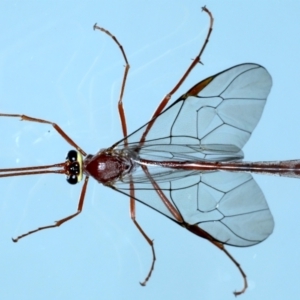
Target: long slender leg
{"points": [[200, 232], [236, 293], [124, 129], [164, 102], [127, 66], [166, 99], [161, 106], [55, 126], [59, 222], [193, 228], [149, 241]]}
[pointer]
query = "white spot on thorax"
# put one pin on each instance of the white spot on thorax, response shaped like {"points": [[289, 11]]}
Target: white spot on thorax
{"points": [[101, 166]]}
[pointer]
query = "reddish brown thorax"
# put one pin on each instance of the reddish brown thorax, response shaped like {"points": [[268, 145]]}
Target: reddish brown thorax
{"points": [[107, 166]]}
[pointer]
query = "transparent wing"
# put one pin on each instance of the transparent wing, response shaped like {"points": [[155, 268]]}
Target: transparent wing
{"points": [[218, 114], [212, 121], [229, 206]]}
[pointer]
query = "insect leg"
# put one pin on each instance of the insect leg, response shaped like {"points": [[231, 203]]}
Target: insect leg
{"points": [[59, 222], [150, 242], [200, 232], [55, 126], [236, 293], [124, 129], [197, 59], [132, 214], [194, 229], [127, 66]]}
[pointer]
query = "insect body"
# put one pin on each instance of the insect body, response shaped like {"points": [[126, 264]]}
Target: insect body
{"points": [[186, 162]]}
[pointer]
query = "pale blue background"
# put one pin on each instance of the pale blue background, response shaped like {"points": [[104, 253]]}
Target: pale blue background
{"points": [[54, 66]]}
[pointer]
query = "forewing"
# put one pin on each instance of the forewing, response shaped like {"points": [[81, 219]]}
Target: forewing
{"points": [[220, 110]]}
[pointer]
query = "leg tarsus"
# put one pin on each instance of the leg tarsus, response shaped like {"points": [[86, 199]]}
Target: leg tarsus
{"points": [[202, 233], [60, 222], [236, 293], [56, 224], [149, 241]]}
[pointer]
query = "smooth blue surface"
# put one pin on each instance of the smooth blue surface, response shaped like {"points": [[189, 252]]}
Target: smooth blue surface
{"points": [[54, 66]]}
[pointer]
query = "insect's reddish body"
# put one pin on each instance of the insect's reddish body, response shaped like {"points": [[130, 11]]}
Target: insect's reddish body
{"points": [[107, 166], [288, 168], [186, 162]]}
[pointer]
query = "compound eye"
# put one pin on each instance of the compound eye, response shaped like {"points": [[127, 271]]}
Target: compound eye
{"points": [[72, 179], [72, 155], [74, 167]]}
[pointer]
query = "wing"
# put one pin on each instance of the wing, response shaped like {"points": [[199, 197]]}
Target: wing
{"points": [[212, 121], [218, 114], [229, 206]]}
